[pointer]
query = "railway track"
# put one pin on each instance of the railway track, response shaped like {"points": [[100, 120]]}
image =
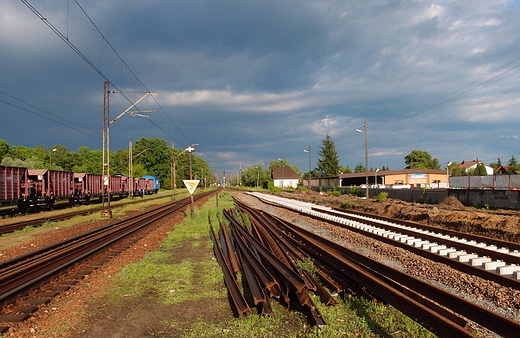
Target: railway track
{"points": [[488, 258], [345, 270], [23, 278], [10, 227]]}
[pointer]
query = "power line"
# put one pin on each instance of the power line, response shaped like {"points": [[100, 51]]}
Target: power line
{"points": [[48, 118], [132, 72], [90, 63], [45, 111]]}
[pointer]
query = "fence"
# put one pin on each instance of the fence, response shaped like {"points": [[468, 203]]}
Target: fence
{"points": [[495, 182]]}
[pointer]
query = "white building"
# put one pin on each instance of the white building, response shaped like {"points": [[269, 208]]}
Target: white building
{"points": [[285, 177]]}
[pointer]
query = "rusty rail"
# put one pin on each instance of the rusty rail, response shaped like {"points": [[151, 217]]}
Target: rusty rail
{"points": [[20, 275], [399, 289]]}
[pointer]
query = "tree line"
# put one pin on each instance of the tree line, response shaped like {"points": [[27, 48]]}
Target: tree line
{"points": [[150, 156], [328, 165]]}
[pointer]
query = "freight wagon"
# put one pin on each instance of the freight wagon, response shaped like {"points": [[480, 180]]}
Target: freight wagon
{"points": [[35, 189], [11, 191]]}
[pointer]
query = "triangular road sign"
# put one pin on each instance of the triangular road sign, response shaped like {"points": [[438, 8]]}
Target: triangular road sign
{"points": [[191, 185]]}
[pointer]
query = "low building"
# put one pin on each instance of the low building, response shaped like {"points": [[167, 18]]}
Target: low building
{"points": [[285, 177], [406, 178]]}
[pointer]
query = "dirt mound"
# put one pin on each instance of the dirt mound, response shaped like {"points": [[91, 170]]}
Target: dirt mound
{"points": [[450, 213], [451, 202]]}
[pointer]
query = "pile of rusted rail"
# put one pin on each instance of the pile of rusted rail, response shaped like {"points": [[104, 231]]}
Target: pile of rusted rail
{"points": [[268, 269], [341, 269]]}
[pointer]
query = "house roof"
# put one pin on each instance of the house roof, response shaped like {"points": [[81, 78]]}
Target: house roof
{"points": [[284, 173], [505, 169], [468, 164]]}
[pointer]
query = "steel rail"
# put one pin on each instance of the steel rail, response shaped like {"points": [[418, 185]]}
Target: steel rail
{"points": [[292, 277], [454, 263], [477, 238], [467, 268], [285, 251], [19, 275], [333, 252], [241, 306], [253, 256], [10, 227], [460, 235]]}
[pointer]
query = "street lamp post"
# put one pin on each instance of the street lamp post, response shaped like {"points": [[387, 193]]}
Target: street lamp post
{"points": [[375, 177], [366, 156], [189, 150], [174, 169], [308, 151], [283, 169], [448, 175], [50, 157], [258, 176]]}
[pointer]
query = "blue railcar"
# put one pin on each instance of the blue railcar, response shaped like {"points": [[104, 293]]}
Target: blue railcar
{"points": [[156, 184]]}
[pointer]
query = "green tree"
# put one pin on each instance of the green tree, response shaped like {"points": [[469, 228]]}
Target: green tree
{"points": [[255, 176], [199, 168], [455, 170], [61, 158], [89, 161], [360, 168], [345, 170], [514, 167], [31, 163], [39, 153], [154, 155], [119, 162], [512, 161], [4, 149], [328, 161], [419, 159], [479, 170]]}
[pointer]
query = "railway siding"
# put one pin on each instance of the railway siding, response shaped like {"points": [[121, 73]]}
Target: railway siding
{"points": [[497, 260], [485, 292]]}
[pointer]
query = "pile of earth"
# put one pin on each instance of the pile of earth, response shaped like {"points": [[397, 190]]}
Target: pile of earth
{"points": [[450, 213]]}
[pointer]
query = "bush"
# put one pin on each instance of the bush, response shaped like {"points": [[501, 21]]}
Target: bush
{"points": [[382, 196], [346, 205], [335, 193], [355, 191]]}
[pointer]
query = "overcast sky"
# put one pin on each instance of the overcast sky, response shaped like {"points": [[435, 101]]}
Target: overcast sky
{"points": [[254, 81]]}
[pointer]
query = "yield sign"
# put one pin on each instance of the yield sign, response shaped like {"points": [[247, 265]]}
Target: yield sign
{"points": [[191, 185]]}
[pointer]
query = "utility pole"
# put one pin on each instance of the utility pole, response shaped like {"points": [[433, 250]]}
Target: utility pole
{"points": [[309, 151], [130, 170], [173, 178], [366, 158], [106, 188]]}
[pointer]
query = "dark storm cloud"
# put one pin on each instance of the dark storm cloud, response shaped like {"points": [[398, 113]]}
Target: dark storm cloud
{"points": [[251, 81]]}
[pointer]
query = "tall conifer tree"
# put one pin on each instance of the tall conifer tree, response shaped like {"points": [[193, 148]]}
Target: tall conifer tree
{"points": [[328, 161]]}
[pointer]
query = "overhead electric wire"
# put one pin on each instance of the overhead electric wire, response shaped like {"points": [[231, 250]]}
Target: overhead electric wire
{"points": [[91, 64], [448, 98], [132, 72], [47, 112], [48, 118], [436, 105]]}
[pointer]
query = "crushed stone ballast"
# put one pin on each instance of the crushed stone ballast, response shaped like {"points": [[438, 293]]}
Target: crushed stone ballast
{"points": [[478, 254]]}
